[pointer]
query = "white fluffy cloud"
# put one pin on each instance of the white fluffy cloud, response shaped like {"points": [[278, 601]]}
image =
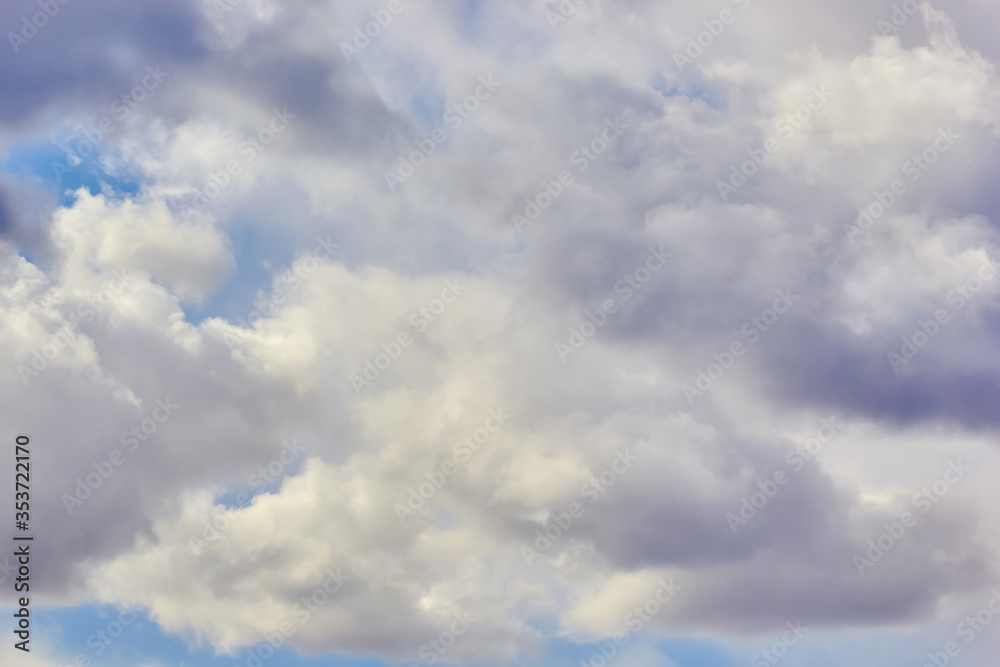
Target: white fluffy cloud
{"points": [[385, 356]]}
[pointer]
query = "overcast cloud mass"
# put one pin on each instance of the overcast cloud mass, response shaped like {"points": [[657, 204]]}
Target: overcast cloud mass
{"points": [[502, 332]]}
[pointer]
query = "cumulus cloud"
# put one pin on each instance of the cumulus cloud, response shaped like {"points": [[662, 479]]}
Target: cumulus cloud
{"points": [[502, 414]]}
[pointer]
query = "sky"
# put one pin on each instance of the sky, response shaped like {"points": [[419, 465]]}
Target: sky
{"points": [[480, 332]]}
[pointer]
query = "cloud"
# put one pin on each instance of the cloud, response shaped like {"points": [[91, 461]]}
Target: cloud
{"points": [[388, 326]]}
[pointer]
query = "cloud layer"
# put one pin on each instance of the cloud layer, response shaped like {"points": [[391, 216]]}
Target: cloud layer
{"points": [[609, 300]]}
